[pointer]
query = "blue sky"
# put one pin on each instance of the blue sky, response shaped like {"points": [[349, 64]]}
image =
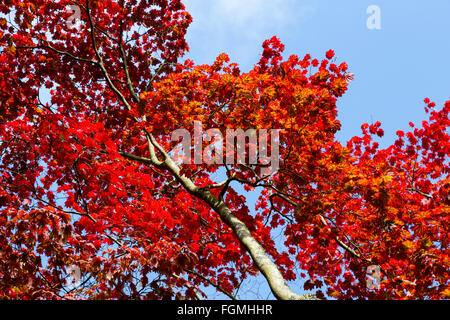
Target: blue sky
{"points": [[395, 67]]}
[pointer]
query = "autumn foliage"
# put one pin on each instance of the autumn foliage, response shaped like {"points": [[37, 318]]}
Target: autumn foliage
{"points": [[86, 117]]}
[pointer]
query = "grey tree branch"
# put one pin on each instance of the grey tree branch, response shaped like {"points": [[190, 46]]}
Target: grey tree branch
{"points": [[268, 268], [211, 283]]}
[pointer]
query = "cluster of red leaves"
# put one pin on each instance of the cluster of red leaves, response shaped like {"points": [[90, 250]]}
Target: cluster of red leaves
{"points": [[133, 232], [68, 196]]}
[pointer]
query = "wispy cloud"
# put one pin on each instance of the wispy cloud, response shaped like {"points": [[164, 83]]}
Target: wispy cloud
{"points": [[263, 13], [239, 27]]}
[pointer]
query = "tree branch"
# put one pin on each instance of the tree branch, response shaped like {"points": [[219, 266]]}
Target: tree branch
{"points": [[211, 283]]}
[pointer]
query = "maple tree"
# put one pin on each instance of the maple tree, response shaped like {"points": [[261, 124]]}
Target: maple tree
{"points": [[87, 179]]}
